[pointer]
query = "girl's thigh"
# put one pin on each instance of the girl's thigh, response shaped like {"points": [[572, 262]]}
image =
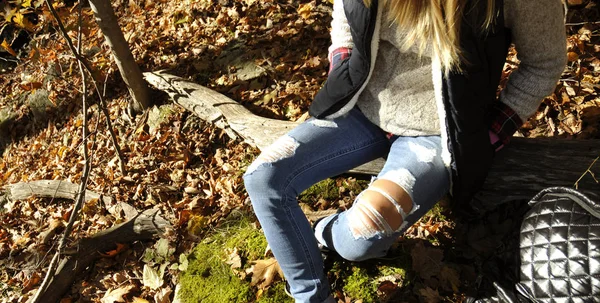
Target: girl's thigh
{"points": [[318, 149]]}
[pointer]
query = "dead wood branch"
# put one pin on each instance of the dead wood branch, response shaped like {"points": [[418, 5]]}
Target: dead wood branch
{"points": [[84, 176], [519, 171], [144, 226], [50, 189], [88, 69], [216, 108]]}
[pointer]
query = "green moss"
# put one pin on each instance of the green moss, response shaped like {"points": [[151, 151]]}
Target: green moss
{"points": [[209, 278], [326, 189], [249, 241], [333, 189], [389, 270], [275, 294], [359, 285], [437, 212]]}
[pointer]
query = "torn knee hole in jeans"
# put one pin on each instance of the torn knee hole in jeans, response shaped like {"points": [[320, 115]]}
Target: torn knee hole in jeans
{"points": [[283, 148], [366, 222]]}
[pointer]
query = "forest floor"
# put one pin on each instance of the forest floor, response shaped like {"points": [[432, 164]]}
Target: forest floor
{"points": [[270, 56]]}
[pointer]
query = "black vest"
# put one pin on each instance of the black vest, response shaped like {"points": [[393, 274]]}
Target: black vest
{"points": [[468, 96]]}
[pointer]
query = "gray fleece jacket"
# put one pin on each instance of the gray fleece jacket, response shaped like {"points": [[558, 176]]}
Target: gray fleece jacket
{"points": [[400, 95]]}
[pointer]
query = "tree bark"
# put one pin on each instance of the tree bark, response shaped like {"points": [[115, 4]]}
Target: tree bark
{"points": [[50, 189], [130, 71], [216, 108], [518, 172]]}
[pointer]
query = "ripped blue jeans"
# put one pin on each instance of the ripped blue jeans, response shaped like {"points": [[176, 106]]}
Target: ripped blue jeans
{"points": [[316, 150]]}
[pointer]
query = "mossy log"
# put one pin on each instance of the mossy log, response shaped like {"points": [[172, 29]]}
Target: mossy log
{"points": [[518, 172]]}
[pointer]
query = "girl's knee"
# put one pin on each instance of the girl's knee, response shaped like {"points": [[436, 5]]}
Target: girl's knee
{"points": [[283, 148], [264, 172], [357, 248], [253, 183], [361, 250]]}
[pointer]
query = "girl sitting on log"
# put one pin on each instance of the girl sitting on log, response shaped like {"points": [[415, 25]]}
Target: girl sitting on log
{"points": [[414, 81]]}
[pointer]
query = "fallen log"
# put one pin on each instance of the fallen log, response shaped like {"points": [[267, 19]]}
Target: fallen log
{"points": [[78, 257], [518, 172], [50, 189], [143, 226], [216, 108]]}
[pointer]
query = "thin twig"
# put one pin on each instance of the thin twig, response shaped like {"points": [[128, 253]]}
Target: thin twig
{"points": [[82, 187], [87, 67], [582, 23], [587, 171], [86, 165]]}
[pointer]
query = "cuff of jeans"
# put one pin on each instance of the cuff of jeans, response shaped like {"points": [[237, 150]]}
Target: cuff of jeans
{"points": [[505, 121]]}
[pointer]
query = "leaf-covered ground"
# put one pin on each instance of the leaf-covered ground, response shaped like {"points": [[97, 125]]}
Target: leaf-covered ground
{"points": [[269, 55]]}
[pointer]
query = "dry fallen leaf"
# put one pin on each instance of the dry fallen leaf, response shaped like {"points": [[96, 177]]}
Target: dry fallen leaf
{"points": [[450, 277], [427, 261], [264, 272], [32, 282], [46, 235], [304, 10], [7, 47], [116, 295], [152, 278], [114, 252], [234, 259], [387, 288], [430, 295], [162, 295]]}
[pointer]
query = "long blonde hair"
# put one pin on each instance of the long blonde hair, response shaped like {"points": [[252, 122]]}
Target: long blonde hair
{"points": [[434, 21]]}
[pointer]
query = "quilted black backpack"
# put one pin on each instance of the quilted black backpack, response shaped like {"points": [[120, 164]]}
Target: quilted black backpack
{"points": [[557, 255], [560, 248]]}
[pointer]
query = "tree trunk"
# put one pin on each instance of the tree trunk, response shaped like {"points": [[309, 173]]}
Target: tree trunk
{"points": [[518, 172], [107, 21]]}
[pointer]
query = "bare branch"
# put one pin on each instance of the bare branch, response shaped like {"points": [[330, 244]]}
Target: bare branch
{"points": [[588, 171], [87, 67], [582, 23], [86, 168]]}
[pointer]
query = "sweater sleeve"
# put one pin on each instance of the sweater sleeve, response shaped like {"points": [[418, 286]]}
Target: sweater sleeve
{"points": [[340, 29], [539, 35]]}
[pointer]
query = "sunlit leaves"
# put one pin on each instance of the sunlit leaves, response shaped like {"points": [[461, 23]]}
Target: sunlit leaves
{"points": [[116, 294], [152, 277], [264, 272], [6, 46]]}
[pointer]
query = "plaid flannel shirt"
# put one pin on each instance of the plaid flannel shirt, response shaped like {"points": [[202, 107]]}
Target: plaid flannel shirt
{"points": [[337, 56], [505, 122]]}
